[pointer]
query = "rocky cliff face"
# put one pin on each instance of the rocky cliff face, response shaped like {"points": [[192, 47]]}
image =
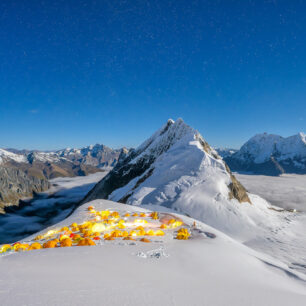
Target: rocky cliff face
{"points": [[16, 184]]}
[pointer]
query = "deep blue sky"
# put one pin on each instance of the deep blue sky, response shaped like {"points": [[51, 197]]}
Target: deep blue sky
{"points": [[75, 73]]}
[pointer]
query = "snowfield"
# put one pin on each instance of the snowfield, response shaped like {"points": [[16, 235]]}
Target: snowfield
{"points": [[208, 269]]}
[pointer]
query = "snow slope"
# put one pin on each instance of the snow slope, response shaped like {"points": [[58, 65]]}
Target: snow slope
{"points": [[199, 271], [6, 155]]}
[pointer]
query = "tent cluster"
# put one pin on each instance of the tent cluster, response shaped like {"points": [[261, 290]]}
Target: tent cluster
{"points": [[104, 225]]}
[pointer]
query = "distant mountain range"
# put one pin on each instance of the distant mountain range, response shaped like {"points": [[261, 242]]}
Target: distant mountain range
{"points": [[26, 171], [270, 154], [225, 152], [97, 155]]}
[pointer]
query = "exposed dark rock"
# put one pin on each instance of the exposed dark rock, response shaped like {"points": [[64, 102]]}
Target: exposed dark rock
{"points": [[16, 184], [236, 189], [207, 148]]}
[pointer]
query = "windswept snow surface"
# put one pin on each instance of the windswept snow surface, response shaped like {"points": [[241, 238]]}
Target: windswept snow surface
{"points": [[199, 271]]}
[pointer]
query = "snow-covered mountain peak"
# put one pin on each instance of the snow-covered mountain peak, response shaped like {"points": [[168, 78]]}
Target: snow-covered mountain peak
{"points": [[174, 168], [292, 147], [303, 136], [271, 154], [164, 138], [43, 157], [261, 147]]}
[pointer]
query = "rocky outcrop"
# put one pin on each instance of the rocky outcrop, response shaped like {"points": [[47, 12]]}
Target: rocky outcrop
{"points": [[16, 184], [236, 189]]}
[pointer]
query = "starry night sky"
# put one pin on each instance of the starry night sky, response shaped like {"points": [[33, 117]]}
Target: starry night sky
{"points": [[75, 73]]}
